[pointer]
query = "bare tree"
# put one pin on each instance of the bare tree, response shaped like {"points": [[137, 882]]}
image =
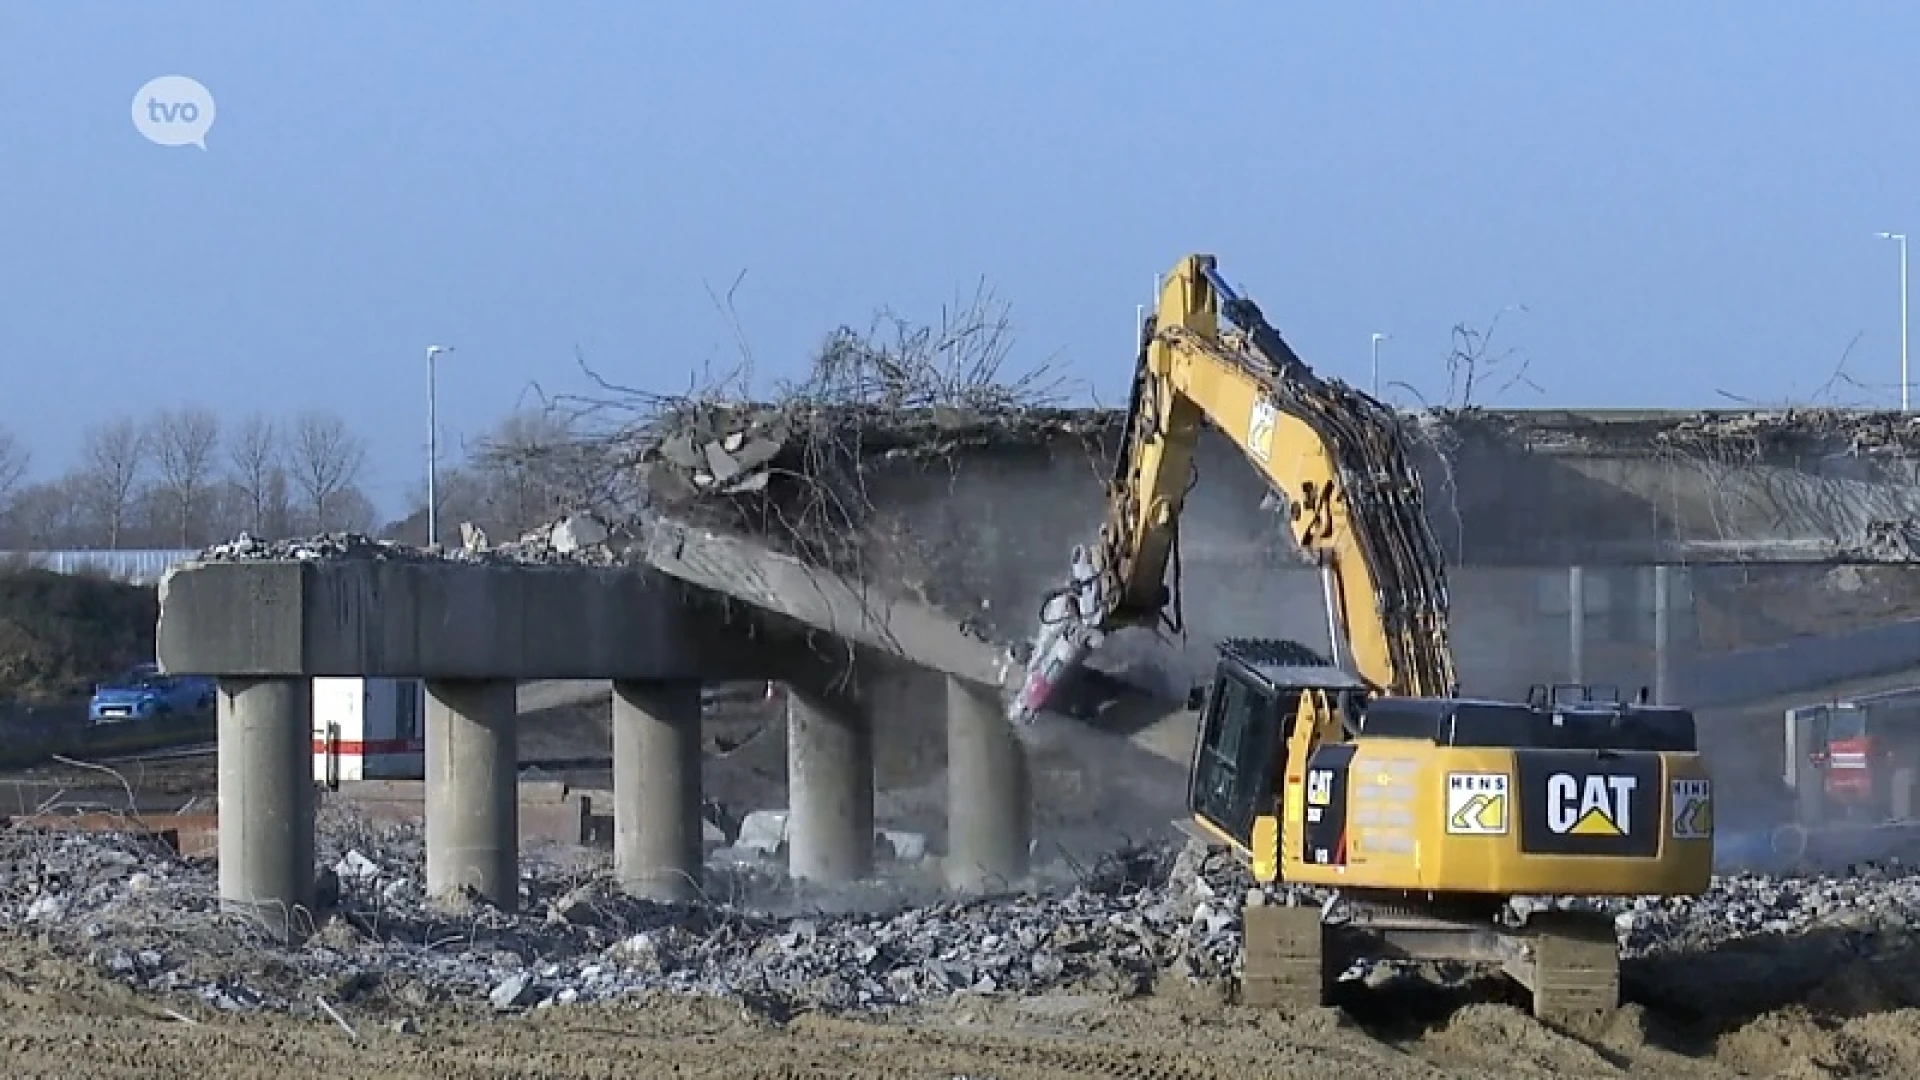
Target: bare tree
{"points": [[14, 459], [43, 516], [325, 458], [253, 455], [527, 464], [113, 456], [184, 442]]}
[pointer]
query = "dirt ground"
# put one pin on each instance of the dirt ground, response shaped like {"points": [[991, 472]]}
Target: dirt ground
{"points": [[59, 1021], [1772, 1010]]}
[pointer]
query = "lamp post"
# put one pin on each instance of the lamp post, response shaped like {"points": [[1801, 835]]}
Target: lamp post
{"points": [[1905, 385], [433, 445], [1377, 339]]}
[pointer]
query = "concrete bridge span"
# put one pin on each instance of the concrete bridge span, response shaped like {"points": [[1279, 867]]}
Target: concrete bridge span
{"points": [[473, 632]]}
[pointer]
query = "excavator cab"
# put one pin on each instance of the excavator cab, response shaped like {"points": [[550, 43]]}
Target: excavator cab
{"points": [[1246, 721]]}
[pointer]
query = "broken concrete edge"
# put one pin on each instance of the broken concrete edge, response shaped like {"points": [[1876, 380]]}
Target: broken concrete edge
{"points": [[421, 619], [743, 436], [862, 612]]}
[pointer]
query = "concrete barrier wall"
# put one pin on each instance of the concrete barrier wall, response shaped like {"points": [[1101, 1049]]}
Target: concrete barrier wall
{"points": [[20, 749], [1805, 665]]}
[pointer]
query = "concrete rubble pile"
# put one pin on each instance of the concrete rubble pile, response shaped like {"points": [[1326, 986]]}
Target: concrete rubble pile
{"points": [[580, 539], [153, 921]]}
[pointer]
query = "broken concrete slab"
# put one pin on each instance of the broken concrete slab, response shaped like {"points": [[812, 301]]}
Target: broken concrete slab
{"points": [[819, 597]]}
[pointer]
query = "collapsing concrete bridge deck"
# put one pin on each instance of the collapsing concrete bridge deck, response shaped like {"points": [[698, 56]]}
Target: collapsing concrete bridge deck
{"points": [[1511, 488]]}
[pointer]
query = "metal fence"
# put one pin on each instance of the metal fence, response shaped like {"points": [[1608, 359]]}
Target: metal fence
{"points": [[138, 566]]}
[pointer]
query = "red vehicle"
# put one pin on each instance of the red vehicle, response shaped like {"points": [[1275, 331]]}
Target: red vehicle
{"points": [[1862, 751]]}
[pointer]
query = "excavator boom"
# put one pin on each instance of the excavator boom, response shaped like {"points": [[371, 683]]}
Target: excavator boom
{"points": [[1337, 457]]}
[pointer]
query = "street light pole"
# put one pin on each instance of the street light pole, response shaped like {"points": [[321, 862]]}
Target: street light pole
{"points": [[1906, 384], [433, 445], [1377, 339]]}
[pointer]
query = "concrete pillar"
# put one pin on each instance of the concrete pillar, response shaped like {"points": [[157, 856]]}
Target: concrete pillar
{"points": [[1663, 635], [473, 794], [989, 812], [267, 802], [1576, 624], [657, 850], [829, 789]]}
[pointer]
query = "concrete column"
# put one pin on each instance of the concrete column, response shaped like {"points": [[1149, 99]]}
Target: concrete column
{"points": [[829, 790], [473, 793], [267, 802], [1576, 624], [657, 851], [989, 812], [1663, 635]]}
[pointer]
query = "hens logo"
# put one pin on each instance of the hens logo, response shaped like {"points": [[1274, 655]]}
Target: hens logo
{"points": [[1598, 805], [1574, 802]]}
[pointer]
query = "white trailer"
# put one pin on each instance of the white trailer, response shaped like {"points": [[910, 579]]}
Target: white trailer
{"points": [[368, 729]]}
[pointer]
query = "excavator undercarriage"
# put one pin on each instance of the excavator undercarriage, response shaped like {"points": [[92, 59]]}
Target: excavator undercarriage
{"points": [[1567, 961]]}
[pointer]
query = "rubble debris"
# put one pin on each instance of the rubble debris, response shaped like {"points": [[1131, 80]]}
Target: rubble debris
{"points": [[577, 532], [763, 832], [577, 539], [1140, 916]]}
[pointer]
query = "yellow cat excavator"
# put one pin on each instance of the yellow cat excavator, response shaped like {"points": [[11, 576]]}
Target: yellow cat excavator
{"points": [[1423, 813]]}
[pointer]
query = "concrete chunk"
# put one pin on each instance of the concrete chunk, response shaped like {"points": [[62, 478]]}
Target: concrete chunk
{"points": [[902, 846], [577, 531], [763, 832]]}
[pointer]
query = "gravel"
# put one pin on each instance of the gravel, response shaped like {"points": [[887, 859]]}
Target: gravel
{"points": [[1141, 916]]}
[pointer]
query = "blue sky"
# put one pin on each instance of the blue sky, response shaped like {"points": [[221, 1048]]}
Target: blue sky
{"points": [[1683, 196]]}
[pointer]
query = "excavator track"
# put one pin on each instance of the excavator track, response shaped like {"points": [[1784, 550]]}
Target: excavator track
{"points": [[1569, 962], [1286, 960], [1573, 967]]}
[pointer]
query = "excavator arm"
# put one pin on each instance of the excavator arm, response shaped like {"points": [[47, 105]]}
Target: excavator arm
{"points": [[1336, 456]]}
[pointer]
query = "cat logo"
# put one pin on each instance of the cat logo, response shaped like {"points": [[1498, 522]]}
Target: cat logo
{"points": [[1319, 793], [1589, 804], [1597, 804], [1319, 787]]}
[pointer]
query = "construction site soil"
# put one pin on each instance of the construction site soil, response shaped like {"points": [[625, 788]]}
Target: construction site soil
{"points": [[59, 1020]]}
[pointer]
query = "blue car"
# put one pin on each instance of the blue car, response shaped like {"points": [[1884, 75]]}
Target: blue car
{"points": [[143, 693]]}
